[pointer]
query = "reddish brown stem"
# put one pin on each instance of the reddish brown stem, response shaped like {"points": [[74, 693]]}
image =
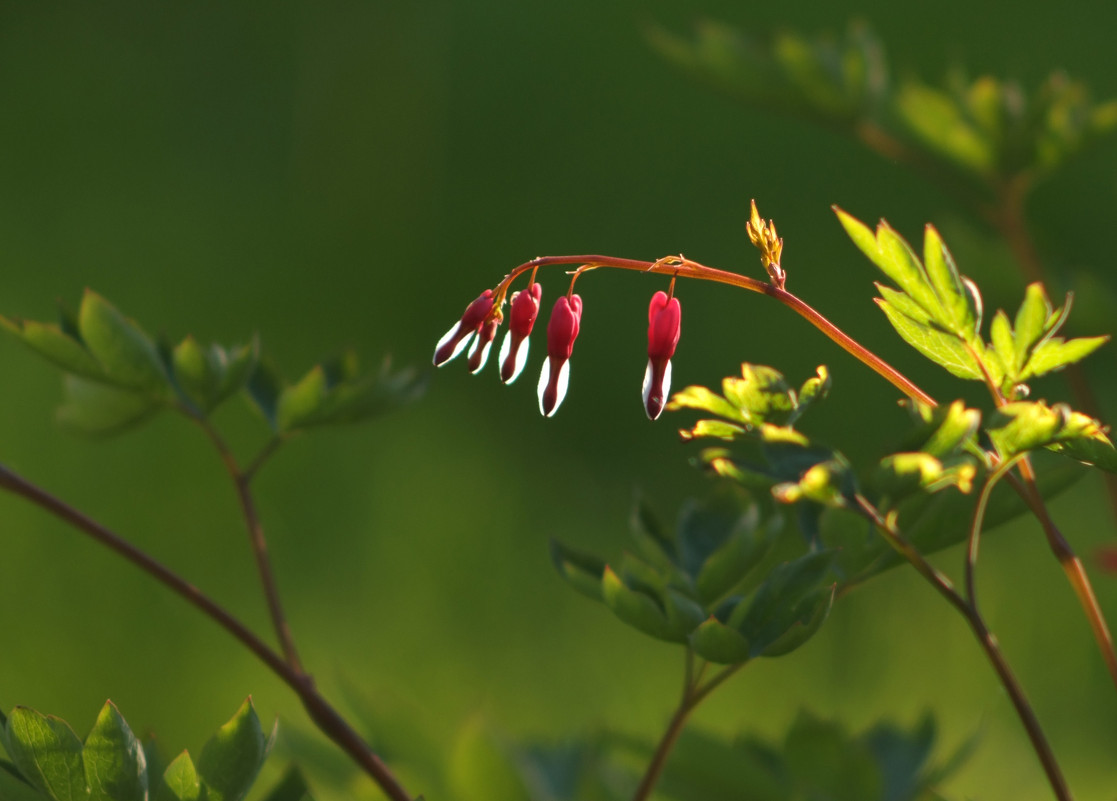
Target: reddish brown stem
{"points": [[686, 268], [321, 712]]}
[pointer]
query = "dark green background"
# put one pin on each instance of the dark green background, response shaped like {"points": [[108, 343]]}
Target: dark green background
{"points": [[340, 173]]}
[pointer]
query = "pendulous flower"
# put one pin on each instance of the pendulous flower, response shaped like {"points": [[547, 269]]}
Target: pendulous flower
{"points": [[514, 348], [562, 330], [663, 336], [458, 337], [479, 350]]}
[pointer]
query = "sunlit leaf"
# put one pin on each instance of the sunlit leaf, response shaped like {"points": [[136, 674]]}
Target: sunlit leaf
{"points": [[115, 766], [47, 753], [127, 355], [232, 757], [941, 347]]}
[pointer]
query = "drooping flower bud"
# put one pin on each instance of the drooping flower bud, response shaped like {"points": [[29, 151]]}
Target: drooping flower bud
{"points": [[514, 348], [562, 330], [479, 350], [458, 337], [664, 317]]}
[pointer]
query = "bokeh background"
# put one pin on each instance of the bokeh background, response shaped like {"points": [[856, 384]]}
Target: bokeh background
{"points": [[353, 173]]}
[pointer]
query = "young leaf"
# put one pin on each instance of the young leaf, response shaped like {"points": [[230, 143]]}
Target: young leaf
{"points": [[233, 756], [180, 781], [263, 388], [1026, 425], [778, 606], [1055, 354], [97, 409], [957, 302], [127, 355], [583, 572], [115, 767], [716, 642], [1031, 324], [51, 342], [637, 609], [47, 753], [943, 348]]}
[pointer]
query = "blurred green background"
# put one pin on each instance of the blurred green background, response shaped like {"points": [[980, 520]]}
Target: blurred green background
{"points": [[344, 173]]}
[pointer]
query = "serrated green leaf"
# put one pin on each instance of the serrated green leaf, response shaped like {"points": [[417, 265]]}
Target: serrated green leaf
{"points": [[956, 428], [940, 347], [716, 642], [54, 344], [947, 283], [814, 389], [703, 399], [713, 429], [1055, 354], [778, 605], [635, 608], [115, 767], [180, 781], [761, 394], [1004, 347], [582, 571], [1094, 450], [1031, 324], [903, 267], [862, 236], [127, 355], [1026, 425], [47, 753], [232, 757], [96, 409]]}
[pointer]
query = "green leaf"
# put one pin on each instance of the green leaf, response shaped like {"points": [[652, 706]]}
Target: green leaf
{"points": [[1094, 450], [715, 429], [180, 781], [809, 615], [902, 266], [47, 753], [1031, 324], [1026, 425], [127, 355], [943, 273], [638, 609], [937, 120], [263, 389], [787, 599], [51, 342], [730, 564], [1055, 354], [1004, 346], [96, 409], [232, 757], [939, 346], [814, 389], [717, 642], [705, 400], [761, 395], [584, 572], [194, 373], [862, 236], [299, 403], [115, 767], [651, 539]]}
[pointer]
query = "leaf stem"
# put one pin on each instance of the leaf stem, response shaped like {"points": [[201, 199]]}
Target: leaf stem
{"points": [[328, 720], [256, 538], [687, 268], [967, 607]]}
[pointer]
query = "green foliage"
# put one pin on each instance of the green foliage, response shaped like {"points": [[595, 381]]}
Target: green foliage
{"points": [[118, 376], [50, 762], [816, 759], [703, 588], [983, 135]]}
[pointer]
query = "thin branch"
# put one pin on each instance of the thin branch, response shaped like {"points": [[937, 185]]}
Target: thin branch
{"points": [[328, 720], [968, 609], [686, 268], [256, 537]]}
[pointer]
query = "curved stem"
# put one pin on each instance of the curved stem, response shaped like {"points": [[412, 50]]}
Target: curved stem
{"points": [[259, 543], [328, 720], [686, 268], [968, 609]]}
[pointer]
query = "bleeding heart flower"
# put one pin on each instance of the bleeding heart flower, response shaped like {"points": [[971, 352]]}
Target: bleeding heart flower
{"points": [[562, 330], [663, 335], [458, 337], [479, 350], [514, 348]]}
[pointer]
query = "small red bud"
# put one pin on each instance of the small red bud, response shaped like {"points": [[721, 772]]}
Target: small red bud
{"points": [[455, 340], [514, 348], [562, 330], [664, 316]]}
